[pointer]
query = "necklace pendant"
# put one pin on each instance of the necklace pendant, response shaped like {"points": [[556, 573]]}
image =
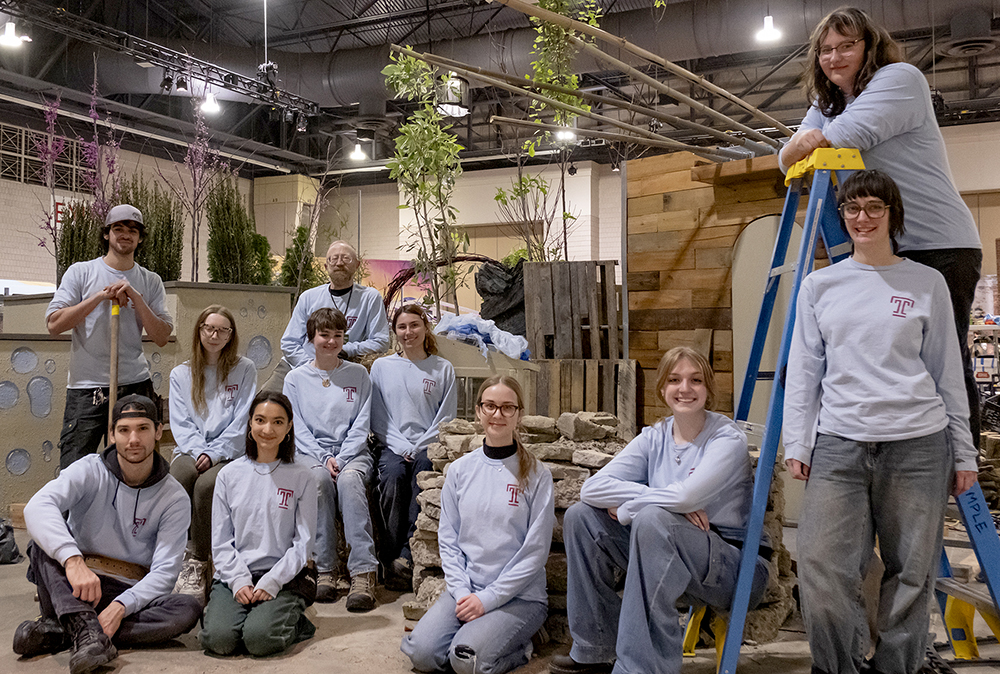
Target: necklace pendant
{"points": [[678, 459], [326, 383]]}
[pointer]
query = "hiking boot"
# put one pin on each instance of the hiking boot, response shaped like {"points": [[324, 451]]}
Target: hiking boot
{"points": [[326, 587], [362, 594], [192, 580], [564, 664], [91, 646], [399, 575], [39, 636]]}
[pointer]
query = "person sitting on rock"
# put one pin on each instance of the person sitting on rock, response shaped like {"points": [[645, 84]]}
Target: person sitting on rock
{"points": [[331, 398], [497, 515], [680, 493], [412, 393], [108, 535]]}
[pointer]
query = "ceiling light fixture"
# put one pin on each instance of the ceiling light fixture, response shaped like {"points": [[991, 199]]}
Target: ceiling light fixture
{"points": [[302, 124], [9, 37], [768, 33], [358, 154], [167, 82], [210, 105], [182, 84], [565, 135], [453, 97]]}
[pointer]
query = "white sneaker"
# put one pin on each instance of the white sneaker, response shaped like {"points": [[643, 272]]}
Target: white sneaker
{"points": [[192, 579]]}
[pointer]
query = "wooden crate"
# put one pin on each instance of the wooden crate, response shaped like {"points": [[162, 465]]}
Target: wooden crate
{"points": [[571, 310], [578, 385]]}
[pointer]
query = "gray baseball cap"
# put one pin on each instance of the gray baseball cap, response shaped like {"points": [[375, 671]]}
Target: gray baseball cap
{"points": [[122, 213]]}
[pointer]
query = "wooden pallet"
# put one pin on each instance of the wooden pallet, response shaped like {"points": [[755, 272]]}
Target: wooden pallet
{"points": [[571, 310], [577, 385]]}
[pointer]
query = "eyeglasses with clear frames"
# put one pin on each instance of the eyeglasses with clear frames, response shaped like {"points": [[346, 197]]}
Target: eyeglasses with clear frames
{"points": [[346, 258], [873, 209], [212, 331], [491, 408], [844, 48]]}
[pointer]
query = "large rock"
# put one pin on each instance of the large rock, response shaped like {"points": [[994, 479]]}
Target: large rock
{"points": [[560, 450], [557, 528], [429, 497], [425, 553], [763, 623], [456, 427], [430, 590], [430, 479], [578, 429], [567, 492], [457, 445], [414, 610], [561, 471], [426, 523], [539, 428], [600, 418], [436, 450], [591, 459]]}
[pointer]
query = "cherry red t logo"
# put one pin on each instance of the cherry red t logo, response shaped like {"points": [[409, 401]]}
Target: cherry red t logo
{"points": [[429, 385], [514, 492], [284, 496], [350, 391], [231, 391], [903, 304], [136, 523], [351, 320]]}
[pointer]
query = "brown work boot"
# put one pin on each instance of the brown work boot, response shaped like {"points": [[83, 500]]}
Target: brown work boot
{"points": [[91, 646], [362, 595], [326, 587]]}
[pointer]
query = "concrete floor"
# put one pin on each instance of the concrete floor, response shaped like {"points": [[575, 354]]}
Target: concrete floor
{"points": [[347, 643]]}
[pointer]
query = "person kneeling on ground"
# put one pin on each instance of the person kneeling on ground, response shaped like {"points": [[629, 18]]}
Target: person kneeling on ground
{"points": [[680, 493], [127, 520], [263, 524], [497, 515]]}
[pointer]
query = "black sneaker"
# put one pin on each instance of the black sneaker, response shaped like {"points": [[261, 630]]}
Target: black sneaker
{"points": [[91, 646], [40, 636], [564, 664]]}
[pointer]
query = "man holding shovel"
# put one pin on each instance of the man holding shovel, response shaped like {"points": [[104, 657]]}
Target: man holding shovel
{"points": [[83, 304]]}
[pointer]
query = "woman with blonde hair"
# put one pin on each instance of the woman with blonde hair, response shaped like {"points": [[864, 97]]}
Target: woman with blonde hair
{"points": [[497, 515]]}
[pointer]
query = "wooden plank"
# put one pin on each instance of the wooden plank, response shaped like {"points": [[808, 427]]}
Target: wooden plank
{"points": [[971, 595], [722, 340], [562, 313], [672, 181], [555, 386], [580, 303], [625, 399], [748, 192], [592, 385], [17, 515], [532, 310], [734, 170], [657, 261], [693, 199], [565, 387], [660, 299], [594, 311], [709, 237], [743, 213], [578, 383], [648, 358], [542, 390], [707, 258], [643, 280], [706, 298], [719, 318], [680, 279], [663, 222], [663, 163], [611, 311], [607, 386], [642, 340], [700, 340]]}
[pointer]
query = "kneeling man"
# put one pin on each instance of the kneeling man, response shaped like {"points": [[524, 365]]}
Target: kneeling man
{"points": [[108, 537]]}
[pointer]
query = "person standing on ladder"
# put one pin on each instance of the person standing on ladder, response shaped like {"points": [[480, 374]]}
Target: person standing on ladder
{"points": [[81, 304], [864, 97], [876, 420]]}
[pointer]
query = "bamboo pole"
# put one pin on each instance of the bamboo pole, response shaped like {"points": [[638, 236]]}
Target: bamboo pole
{"points": [[670, 91], [673, 120], [622, 43], [113, 374], [665, 143]]}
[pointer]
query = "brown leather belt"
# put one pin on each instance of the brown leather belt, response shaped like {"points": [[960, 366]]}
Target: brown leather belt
{"points": [[115, 567]]}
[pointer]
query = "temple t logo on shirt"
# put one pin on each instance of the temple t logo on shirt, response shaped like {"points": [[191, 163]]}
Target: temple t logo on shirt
{"points": [[429, 385], [515, 493], [903, 304], [351, 320], [284, 496], [231, 391], [350, 391], [136, 523]]}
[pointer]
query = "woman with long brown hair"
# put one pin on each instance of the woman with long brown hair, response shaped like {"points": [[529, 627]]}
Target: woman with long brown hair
{"points": [[497, 515], [210, 396]]}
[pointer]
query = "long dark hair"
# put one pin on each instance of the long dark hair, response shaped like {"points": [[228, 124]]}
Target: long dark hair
{"points": [[880, 50], [526, 461], [228, 357], [286, 450]]}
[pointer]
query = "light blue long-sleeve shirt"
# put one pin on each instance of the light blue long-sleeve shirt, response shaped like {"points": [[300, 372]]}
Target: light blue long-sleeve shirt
{"points": [[367, 325], [874, 358], [219, 431], [494, 539], [263, 521], [144, 525], [892, 122], [330, 421], [410, 399], [710, 473]]}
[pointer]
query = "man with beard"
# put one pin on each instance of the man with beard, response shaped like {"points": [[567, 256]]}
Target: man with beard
{"points": [[81, 304], [367, 325], [107, 539]]}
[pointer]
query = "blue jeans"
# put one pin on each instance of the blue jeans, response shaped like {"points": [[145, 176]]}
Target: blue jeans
{"points": [[857, 490], [666, 558], [397, 495], [348, 496], [493, 643]]}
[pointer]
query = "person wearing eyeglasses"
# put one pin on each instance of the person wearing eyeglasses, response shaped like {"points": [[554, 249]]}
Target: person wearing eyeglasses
{"points": [[664, 521], [413, 392], [497, 514], [863, 96], [876, 422], [210, 396]]}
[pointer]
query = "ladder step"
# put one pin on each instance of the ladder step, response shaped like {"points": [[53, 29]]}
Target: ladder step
{"points": [[783, 269], [981, 600]]}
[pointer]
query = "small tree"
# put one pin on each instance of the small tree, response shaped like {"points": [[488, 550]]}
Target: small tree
{"points": [[300, 269], [49, 148], [528, 209], [236, 252], [162, 249], [79, 236]]}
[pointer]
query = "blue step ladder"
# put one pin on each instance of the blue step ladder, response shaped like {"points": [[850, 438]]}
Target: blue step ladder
{"points": [[826, 168]]}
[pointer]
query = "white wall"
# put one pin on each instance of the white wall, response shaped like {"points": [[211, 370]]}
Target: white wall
{"points": [[974, 156]]}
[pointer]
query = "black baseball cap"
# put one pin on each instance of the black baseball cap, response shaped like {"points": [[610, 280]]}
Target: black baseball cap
{"points": [[135, 405]]}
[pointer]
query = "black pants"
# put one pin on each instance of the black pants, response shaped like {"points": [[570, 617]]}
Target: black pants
{"points": [[164, 618], [85, 420], [960, 268]]}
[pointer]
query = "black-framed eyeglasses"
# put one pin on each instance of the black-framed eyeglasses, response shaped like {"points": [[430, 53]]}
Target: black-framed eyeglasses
{"points": [[212, 331], [491, 408], [873, 209], [844, 48]]}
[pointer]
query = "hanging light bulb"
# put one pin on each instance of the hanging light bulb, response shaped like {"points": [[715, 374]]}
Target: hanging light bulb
{"points": [[9, 37], [210, 105], [768, 33], [358, 154], [565, 135], [182, 84]]}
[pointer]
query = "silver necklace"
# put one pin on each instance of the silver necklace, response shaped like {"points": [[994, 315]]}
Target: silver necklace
{"points": [[257, 463]]}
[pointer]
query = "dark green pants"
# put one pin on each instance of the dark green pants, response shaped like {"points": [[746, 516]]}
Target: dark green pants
{"points": [[265, 628]]}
